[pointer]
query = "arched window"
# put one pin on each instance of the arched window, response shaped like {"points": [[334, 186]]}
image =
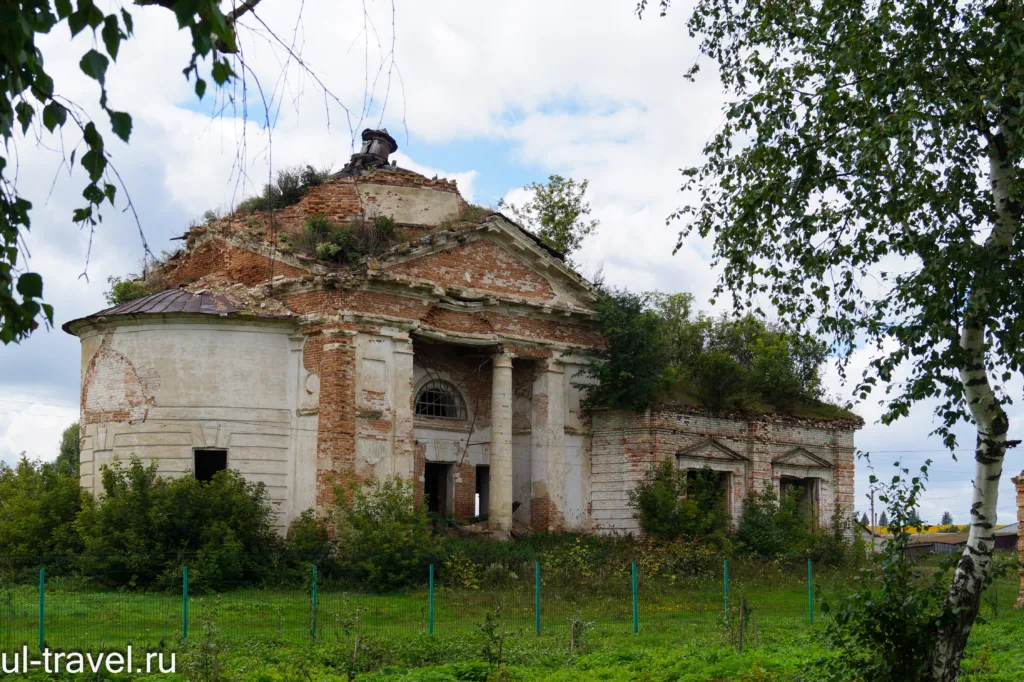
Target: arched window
{"points": [[439, 398]]}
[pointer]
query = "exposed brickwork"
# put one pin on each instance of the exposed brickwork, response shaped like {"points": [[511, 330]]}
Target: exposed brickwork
{"points": [[481, 264], [113, 390], [217, 257], [625, 445], [465, 491], [337, 426]]}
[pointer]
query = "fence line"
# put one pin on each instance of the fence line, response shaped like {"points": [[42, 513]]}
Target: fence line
{"points": [[68, 617]]}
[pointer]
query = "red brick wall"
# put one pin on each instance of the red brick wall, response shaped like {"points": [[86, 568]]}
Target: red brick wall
{"points": [[335, 356], [233, 263], [481, 264]]}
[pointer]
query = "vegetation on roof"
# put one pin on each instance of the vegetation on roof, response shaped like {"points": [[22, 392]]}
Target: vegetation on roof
{"points": [[347, 244], [287, 188], [658, 354]]}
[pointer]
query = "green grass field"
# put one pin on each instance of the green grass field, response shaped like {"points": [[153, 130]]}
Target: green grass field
{"points": [[683, 630]]}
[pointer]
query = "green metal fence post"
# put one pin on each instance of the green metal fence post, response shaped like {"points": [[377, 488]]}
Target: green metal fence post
{"points": [[430, 608], [810, 591], [536, 604], [42, 607], [636, 610], [314, 596], [725, 583], [184, 603]]}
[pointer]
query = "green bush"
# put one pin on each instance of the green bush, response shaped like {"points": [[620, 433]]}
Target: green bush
{"points": [[287, 189], [347, 244], [383, 533], [670, 503], [39, 502], [773, 528], [145, 527], [126, 289]]}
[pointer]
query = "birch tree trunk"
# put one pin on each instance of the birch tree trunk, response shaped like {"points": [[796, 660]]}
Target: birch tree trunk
{"points": [[964, 597]]}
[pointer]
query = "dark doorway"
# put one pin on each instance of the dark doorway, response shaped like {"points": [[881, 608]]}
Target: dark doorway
{"points": [[483, 486], [805, 492], [209, 462], [436, 484]]}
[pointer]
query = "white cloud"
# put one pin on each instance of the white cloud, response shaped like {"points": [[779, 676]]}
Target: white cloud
{"points": [[578, 88]]}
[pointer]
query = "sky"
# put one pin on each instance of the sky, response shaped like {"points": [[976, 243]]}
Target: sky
{"points": [[494, 95]]}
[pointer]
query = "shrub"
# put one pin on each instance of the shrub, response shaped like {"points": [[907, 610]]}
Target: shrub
{"points": [[70, 451], [718, 378], [129, 288], [288, 188], [773, 528], [384, 538], [39, 502], [146, 526], [670, 503], [348, 244], [308, 543]]}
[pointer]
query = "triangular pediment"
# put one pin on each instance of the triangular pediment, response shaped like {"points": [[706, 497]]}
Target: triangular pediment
{"points": [[711, 449], [496, 258], [801, 457]]}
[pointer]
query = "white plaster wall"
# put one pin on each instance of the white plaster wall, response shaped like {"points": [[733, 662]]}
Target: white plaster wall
{"points": [[213, 384], [410, 205]]}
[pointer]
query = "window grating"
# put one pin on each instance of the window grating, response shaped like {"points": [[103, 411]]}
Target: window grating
{"points": [[439, 398]]}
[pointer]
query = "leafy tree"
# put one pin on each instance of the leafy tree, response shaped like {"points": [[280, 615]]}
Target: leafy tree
{"points": [[671, 503], [145, 526], [29, 98], [868, 179], [68, 455], [883, 521], [383, 533], [557, 213], [630, 368], [125, 289], [947, 519], [38, 507]]}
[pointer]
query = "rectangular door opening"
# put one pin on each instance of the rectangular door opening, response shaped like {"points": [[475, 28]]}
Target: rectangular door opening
{"points": [[437, 485], [483, 483]]}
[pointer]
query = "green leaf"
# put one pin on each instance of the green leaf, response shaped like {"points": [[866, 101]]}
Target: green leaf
{"points": [[222, 71], [93, 194], [92, 136], [109, 191], [112, 35], [129, 25], [122, 124], [63, 8], [30, 285], [54, 114], [94, 163], [82, 214], [25, 113], [200, 87], [94, 65]]}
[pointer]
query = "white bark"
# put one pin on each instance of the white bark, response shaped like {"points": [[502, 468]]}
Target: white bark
{"points": [[964, 596]]}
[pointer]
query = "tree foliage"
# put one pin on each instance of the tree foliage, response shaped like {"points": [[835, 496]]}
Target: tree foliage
{"points": [[557, 213], [38, 506], [868, 179], [655, 351], [67, 461], [30, 100], [383, 533], [670, 503], [146, 526]]}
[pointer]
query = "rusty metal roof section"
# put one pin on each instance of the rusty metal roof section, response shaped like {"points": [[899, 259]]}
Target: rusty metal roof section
{"points": [[177, 301]]}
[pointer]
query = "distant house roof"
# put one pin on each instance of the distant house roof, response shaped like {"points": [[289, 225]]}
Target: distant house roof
{"points": [[939, 538], [1012, 529], [175, 301]]}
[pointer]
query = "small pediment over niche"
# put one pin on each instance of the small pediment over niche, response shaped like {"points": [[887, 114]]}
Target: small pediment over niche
{"points": [[711, 449], [800, 457]]}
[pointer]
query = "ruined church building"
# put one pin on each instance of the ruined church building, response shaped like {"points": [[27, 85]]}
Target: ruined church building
{"points": [[452, 359]]}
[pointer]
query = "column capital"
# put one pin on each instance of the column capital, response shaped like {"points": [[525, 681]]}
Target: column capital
{"points": [[502, 359]]}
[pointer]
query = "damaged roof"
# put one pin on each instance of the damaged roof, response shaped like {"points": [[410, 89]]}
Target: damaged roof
{"points": [[176, 301]]}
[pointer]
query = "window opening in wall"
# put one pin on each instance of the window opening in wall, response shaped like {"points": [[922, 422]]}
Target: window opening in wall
{"points": [[483, 483], [805, 491], [438, 398], [437, 482], [722, 481], [209, 462]]}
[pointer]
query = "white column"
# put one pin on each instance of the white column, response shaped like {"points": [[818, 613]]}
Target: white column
{"points": [[547, 441], [499, 510]]}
